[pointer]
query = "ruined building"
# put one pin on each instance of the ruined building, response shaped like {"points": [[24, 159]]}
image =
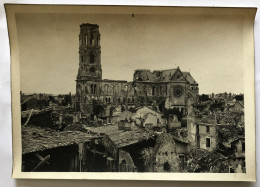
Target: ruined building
{"points": [[172, 86]]}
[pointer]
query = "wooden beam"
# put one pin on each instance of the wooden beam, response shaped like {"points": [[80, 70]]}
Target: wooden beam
{"points": [[40, 157], [29, 117], [42, 162]]}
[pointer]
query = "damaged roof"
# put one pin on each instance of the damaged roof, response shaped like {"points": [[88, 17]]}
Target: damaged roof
{"points": [[160, 76], [230, 133], [27, 100], [207, 120], [121, 138], [36, 139], [26, 113]]}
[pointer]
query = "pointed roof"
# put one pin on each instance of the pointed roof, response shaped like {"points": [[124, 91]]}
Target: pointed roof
{"points": [[209, 119], [144, 75], [189, 78]]}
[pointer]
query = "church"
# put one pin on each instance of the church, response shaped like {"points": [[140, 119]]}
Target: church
{"points": [[172, 87]]}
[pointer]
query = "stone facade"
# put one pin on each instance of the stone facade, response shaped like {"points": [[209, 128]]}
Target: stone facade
{"points": [[171, 86]]}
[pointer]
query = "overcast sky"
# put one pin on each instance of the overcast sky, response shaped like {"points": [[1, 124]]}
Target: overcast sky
{"points": [[209, 47]]}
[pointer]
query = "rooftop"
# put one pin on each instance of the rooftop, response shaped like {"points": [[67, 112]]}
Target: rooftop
{"points": [[36, 139], [145, 75], [121, 138]]}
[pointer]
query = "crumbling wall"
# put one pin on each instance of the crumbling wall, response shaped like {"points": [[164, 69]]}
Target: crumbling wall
{"points": [[182, 148], [173, 122], [166, 158], [147, 115], [126, 163], [191, 126]]}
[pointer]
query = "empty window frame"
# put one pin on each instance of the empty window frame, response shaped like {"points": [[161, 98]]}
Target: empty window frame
{"points": [[207, 142], [208, 129]]}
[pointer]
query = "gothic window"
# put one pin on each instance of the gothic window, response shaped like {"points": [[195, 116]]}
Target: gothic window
{"points": [[119, 89], [109, 99], [109, 90], [166, 90], [85, 40], [177, 90], [106, 89], [93, 88], [119, 99], [92, 58], [92, 41], [92, 69]]}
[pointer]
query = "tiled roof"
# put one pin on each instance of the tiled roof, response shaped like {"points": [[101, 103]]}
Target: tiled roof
{"points": [[160, 76], [189, 78], [209, 119], [230, 133], [121, 138], [38, 139]]}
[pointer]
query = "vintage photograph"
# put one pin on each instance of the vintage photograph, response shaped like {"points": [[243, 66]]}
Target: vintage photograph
{"points": [[132, 92]]}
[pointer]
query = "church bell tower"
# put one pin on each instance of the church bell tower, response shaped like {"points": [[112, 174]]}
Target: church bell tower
{"points": [[90, 71], [89, 53]]}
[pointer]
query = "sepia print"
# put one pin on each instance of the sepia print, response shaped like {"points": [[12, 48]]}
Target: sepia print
{"points": [[132, 92]]}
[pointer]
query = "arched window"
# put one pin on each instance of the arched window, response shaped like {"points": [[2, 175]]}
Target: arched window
{"points": [[85, 40], [92, 58], [113, 90], [106, 89], [92, 69], [95, 89], [119, 89]]}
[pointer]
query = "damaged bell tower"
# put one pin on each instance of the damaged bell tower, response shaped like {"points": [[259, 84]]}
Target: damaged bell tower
{"points": [[90, 71]]}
